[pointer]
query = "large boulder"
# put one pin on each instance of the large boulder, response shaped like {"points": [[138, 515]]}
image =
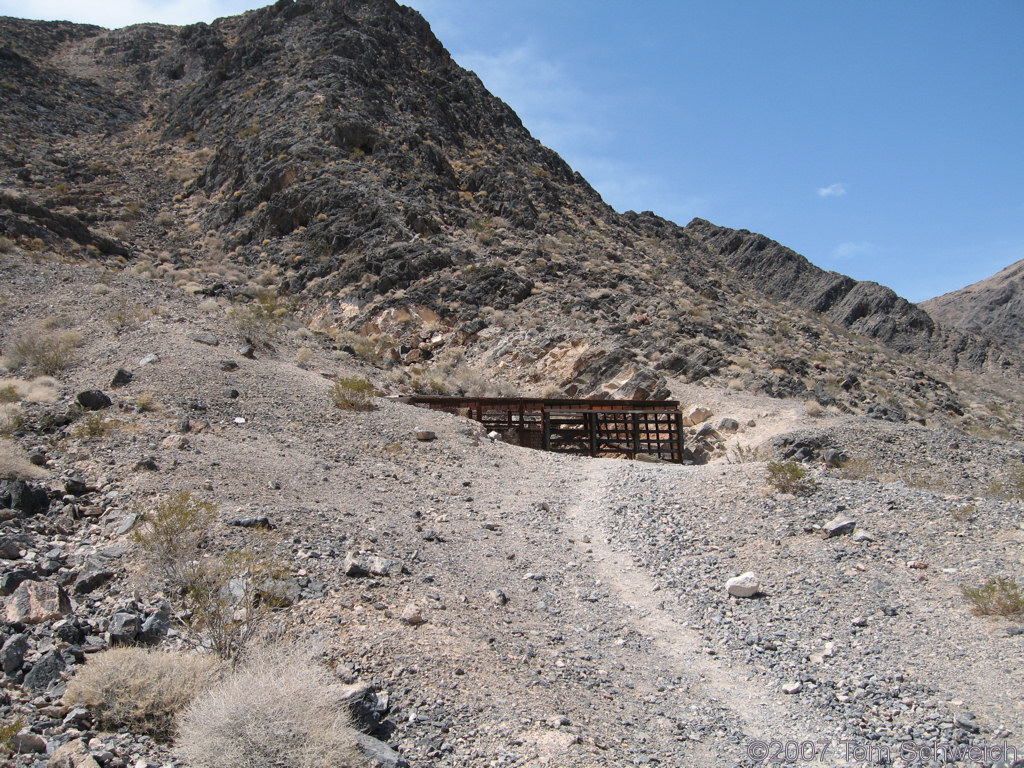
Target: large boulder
{"points": [[34, 602]]}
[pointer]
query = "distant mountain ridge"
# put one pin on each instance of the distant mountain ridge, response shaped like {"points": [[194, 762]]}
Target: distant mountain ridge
{"points": [[993, 307], [862, 306]]}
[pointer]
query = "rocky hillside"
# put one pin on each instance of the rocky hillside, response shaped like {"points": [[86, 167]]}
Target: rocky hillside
{"points": [[332, 159], [217, 242], [993, 307]]}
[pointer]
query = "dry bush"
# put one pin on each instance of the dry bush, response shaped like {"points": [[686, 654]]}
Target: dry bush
{"points": [[45, 351], [12, 419], [996, 597], [278, 709], [352, 393], [42, 389], [790, 477], [139, 689], [813, 409], [172, 533], [14, 464], [232, 597], [259, 322]]}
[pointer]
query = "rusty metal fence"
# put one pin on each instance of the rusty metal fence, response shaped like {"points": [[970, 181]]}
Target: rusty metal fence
{"points": [[628, 428]]}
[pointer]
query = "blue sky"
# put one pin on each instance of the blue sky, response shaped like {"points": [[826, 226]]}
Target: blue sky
{"points": [[884, 140]]}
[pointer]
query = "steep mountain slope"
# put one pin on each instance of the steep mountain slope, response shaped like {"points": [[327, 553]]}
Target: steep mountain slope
{"points": [[864, 307], [334, 156], [993, 307]]}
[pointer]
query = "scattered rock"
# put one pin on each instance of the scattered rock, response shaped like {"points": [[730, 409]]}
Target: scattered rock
{"points": [[696, 415], [12, 653], [412, 615], [25, 742], [252, 522], [839, 526], [745, 585], [228, 365], [45, 672], [149, 359], [74, 754], [123, 628], [205, 338], [93, 400], [425, 436], [123, 377], [34, 602], [791, 688]]}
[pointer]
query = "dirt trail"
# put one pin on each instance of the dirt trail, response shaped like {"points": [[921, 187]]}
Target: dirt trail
{"points": [[760, 712]]}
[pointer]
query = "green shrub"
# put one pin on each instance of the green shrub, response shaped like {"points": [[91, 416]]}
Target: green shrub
{"points": [[172, 533], [278, 709], [94, 424], [231, 597], [141, 690], [352, 394], [790, 477], [996, 597], [259, 322]]}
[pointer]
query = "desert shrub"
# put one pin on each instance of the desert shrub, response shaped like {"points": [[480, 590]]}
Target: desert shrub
{"points": [[126, 314], [6, 245], [165, 219], [813, 409], [14, 464], [172, 533], [790, 477], [9, 394], [231, 598], [303, 356], [139, 689], [1011, 486], [147, 403], [46, 351], [12, 419], [279, 709], [93, 425], [996, 597], [259, 322], [8, 730], [352, 393], [743, 454]]}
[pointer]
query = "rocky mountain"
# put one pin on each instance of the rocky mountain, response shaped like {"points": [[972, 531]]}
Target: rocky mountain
{"points": [[334, 154], [993, 308], [218, 241]]}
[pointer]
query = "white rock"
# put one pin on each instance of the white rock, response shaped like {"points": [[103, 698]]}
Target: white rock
{"points": [[745, 585], [792, 688], [696, 415]]}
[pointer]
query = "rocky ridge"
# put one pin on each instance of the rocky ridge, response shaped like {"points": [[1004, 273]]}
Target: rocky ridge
{"points": [[991, 307]]}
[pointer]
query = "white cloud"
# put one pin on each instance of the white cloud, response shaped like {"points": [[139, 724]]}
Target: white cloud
{"points": [[832, 190], [849, 250], [126, 12], [540, 92]]}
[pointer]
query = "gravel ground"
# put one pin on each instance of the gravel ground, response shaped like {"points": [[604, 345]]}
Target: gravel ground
{"points": [[573, 611]]}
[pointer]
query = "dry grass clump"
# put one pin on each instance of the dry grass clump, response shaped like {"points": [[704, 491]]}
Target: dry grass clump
{"points": [[46, 350], [996, 597], [14, 464], [139, 689], [279, 708], [42, 389], [259, 322]]}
